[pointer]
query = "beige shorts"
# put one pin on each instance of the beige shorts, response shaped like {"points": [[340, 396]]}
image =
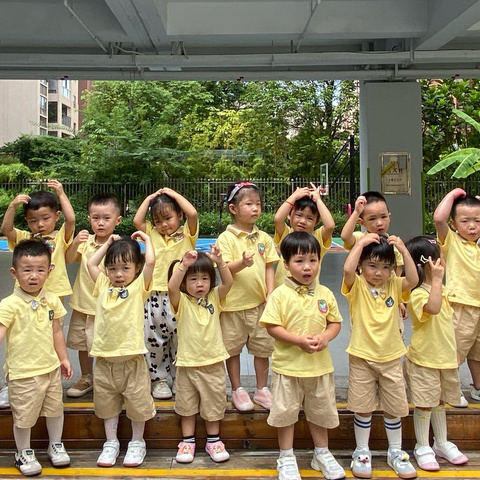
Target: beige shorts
{"points": [[367, 380], [242, 328], [316, 395], [123, 383], [33, 397], [80, 331], [466, 321], [429, 386], [201, 389]]}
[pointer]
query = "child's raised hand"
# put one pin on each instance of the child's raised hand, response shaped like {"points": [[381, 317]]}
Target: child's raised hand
{"points": [[56, 185], [360, 203], [215, 255], [113, 238], [82, 236], [139, 234], [437, 268], [168, 191], [189, 258], [20, 199], [397, 242], [308, 343], [458, 192], [247, 258], [300, 192], [368, 238], [316, 192]]}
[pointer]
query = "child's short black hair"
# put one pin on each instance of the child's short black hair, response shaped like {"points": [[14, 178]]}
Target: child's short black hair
{"points": [[202, 264], [41, 199], [420, 248], [383, 252], [306, 202], [373, 197], [104, 199], [125, 249], [30, 248], [161, 204], [467, 201], [299, 243]]}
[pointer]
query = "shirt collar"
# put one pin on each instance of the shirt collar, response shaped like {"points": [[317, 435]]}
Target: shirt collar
{"points": [[301, 289], [236, 231], [178, 231], [50, 236], [27, 297]]}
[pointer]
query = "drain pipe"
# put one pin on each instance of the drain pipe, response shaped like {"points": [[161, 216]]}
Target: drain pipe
{"points": [[78, 19], [302, 35]]}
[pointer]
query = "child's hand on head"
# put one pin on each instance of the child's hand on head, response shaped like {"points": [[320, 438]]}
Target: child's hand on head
{"points": [[301, 192], [360, 203], [168, 191], [56, 185], [247, 258], [215, 255], [113, 238], [189, 258], [458, 192], [396, 242], [368, 238], [139, 234], [437, 268], [20, 199], [316, 192], [308, 343]]}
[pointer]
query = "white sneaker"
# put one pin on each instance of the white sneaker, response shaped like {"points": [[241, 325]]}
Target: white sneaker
{"points": [[399, 461], [287, 468], [325, 462], [4, 402], [463, 402], [108, 457], [27, 463], [361, 463], [58, 455], [136, 453], [475, 393], [161, 390]]}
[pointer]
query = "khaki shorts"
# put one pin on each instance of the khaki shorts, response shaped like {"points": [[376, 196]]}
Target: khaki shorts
{"points": [[80, 331], [466, 321], [242, 328], [368, 379], [123, 383], [429, 386], [201, 389], [33, 397], [315, 394]]}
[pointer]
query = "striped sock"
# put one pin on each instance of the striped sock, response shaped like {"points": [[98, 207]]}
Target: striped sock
{"points": [[393, 427], [362, 427]]}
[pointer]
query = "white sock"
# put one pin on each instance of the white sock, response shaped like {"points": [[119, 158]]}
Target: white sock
{"points": [[111, 427], [421, 423], [439, 424], [22, 437], [362, 427], [286, 453], [138, 428], [393, 428], [54, 428]]}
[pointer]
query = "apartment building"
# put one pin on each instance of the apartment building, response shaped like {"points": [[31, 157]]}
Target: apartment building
{"points": [[38, 107]]}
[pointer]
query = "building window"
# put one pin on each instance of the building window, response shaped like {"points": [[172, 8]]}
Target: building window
{"points": [[43, 132], [43, 90], [52, 86], [43, 106], [66, 88]]}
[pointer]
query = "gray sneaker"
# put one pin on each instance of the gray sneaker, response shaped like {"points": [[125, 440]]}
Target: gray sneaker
{"points": [[4, 402], [361, 463], [399, 461]]}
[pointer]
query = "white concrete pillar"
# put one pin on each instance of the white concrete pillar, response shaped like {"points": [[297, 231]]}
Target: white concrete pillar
{"points": [[390, 121]]}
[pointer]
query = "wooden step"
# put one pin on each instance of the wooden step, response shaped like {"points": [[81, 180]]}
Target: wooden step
{"points": [[248, 431]]}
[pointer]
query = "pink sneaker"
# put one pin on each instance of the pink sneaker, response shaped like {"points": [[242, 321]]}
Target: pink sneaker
{"points": [[241, 400], [185, 453], [217, 451], [263, 398]]}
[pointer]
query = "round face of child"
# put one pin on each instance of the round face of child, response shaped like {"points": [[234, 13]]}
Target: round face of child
{"points": [[303, 220], [122, 274], [166, 221], [197, 284], [248, 209], [31, 272], [303, 267], [467, 222], [375, 271], [42, 221], [375, 218], [103, 220]]}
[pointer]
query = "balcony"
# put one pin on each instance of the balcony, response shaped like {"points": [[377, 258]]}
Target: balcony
{"points": [[66, 120]]}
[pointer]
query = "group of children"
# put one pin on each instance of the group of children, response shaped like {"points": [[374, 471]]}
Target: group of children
{"points": [[147, 319]]}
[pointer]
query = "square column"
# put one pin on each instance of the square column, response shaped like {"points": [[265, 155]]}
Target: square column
{"points": [[390, 121]]}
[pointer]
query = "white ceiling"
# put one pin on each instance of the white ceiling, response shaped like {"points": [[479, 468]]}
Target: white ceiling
{"points": [[239, 39]]}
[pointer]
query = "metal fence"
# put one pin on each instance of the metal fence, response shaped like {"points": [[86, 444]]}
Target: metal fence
{"points": [[206, 194]]}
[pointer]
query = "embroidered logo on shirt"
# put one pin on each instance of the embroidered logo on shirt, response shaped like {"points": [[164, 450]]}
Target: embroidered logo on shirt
{"points": [[322, 306], [261, 248], [389, 302]]}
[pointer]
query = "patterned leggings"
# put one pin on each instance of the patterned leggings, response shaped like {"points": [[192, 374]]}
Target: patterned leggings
{"points": [[160, 336]]}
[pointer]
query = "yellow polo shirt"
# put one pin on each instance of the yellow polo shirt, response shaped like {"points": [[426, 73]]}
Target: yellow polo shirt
{"points": [[249, 288], [30, 349], [301, 312], [118, 330], [82, 298], [432, 343], [198, 331], [462, 259], [281, 271], [374, 321], [57, 282], [357, 235], [167, 249]]}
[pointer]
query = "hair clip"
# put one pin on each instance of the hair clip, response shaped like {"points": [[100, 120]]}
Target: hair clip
{"points": [[432, 241], [423, 259], [238, 186]]}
